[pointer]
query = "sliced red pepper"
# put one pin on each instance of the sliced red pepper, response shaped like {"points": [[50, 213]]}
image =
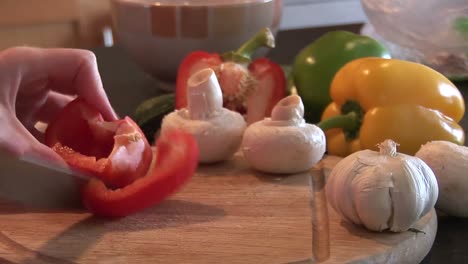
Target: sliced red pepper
{"points": [[119, 155], [268, 75], [116, 152], [249, 87], [176, 162]]}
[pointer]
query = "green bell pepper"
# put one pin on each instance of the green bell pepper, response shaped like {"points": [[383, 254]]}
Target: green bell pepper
{"points": [[316, 64]]}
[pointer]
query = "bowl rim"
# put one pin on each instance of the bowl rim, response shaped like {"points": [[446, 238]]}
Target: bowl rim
{"points": [[172, 3]]}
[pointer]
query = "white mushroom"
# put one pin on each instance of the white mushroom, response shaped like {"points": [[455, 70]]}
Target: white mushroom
{"points": [[284, 143], [449, 162], [218, 131]]}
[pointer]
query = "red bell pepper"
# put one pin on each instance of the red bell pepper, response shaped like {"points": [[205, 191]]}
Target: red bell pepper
{"points": [[249, 87], [176, 162], [128, 176], [116, 152]]}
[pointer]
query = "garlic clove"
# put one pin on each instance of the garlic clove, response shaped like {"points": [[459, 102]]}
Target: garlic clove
{"points": [[339, 193]]}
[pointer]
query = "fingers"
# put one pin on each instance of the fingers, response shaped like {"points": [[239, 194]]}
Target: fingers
{"points": [[86, 80], [16, 140], [54, 103], [69, 71], [11, 140]]}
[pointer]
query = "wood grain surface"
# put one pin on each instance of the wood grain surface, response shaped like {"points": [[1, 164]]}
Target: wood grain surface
{"points": [[226, 214]]}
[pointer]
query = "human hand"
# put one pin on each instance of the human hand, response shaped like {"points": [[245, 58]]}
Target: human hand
{"points": [[35, 84]]}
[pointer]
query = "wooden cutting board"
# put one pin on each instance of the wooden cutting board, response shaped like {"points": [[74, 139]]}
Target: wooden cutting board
{"points": [[226, 214]]}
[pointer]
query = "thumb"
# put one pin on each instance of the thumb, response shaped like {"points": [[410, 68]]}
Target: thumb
{"points": [[16, 140]]}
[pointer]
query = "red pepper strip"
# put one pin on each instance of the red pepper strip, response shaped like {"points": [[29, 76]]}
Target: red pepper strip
{"points": [[176, 162], [117, 152], [249, 87]]}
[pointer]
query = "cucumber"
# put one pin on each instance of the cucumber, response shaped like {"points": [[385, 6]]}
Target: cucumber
{"points": [[149, 114]]}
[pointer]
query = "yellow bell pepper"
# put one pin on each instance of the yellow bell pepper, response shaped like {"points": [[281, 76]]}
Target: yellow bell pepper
{"points": [[376, 99]]}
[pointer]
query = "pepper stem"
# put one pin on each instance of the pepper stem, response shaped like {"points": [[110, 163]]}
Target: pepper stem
{"points": [[388, 147], [264, 38], [347, 122]]}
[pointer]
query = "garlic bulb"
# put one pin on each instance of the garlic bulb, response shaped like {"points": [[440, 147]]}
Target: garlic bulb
{"points": [[449, 162], [382, 190]]}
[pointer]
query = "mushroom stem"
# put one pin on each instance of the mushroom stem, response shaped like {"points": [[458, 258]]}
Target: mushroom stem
{"points": [[205, 98], [289, 108]]}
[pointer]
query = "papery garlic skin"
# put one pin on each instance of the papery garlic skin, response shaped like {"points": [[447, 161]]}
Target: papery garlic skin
{"points": [[449, 162], [382, 191]]}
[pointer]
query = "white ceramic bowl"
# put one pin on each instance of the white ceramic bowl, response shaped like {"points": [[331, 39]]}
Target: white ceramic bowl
{"points": [[158, 34]]}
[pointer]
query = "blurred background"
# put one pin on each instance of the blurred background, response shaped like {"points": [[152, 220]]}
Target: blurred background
{"points": [[88, 23], [53, 23]]}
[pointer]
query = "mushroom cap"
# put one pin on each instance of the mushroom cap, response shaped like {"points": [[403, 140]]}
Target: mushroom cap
{"points": [[218, 137], [282, 149]]}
